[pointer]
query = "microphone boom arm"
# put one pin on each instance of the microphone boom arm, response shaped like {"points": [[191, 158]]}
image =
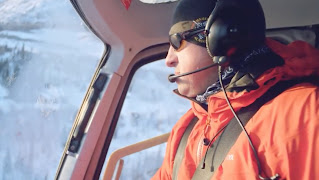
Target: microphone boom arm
{"points": [[172, 77]]}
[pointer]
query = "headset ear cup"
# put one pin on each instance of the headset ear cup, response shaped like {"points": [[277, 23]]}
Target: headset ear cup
{"points": [[234, 27], [211, 19], [217, 36], [221, 28], [207, 32]]}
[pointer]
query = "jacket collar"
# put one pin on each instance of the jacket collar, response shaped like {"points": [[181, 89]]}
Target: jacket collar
{"points": [[296, 60]]}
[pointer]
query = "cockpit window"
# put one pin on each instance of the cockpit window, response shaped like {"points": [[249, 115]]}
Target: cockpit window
{"points": [[47, 60], [150, 109]]}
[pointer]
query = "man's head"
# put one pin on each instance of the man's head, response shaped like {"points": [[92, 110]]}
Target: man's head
{"points": [[187, 51], [188, 42]]}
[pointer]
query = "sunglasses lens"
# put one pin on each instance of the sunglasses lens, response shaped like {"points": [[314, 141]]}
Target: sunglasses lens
{"points": [[175, 40]]}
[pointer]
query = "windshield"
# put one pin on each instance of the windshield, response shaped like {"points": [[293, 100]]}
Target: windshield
{"points": [[47, 60]]}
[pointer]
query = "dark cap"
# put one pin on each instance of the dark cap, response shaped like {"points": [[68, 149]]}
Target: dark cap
{"points": [[192, 14], [189, 10]]}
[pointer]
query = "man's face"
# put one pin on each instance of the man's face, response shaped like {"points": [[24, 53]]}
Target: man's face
{"points": [[189, 58]]}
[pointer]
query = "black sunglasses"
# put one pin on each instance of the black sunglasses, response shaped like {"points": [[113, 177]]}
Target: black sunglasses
{"points": [[177, 38]]}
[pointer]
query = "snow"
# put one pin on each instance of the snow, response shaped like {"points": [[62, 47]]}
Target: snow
{"points": [[43, 80], [46, 64]]}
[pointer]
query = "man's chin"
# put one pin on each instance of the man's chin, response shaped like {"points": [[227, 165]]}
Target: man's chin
{"points": [[185, 92]]}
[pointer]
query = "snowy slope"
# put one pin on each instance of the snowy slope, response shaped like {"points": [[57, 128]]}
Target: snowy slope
{"points": [[46, 64]]}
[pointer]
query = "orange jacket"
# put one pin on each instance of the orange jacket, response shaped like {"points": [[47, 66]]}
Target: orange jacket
{"points": [[284, 131]]}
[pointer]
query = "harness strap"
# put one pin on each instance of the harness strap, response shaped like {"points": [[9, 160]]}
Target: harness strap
{"points": [[221, 146], [181, 148]]}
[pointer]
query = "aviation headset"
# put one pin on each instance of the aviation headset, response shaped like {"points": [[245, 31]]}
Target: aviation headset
{"points": [[233, 28]]}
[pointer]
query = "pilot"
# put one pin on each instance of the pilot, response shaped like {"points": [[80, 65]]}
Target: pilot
{"points": [[254, 101]]}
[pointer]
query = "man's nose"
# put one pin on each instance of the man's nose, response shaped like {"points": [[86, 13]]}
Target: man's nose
{"points": [[171, 59]]}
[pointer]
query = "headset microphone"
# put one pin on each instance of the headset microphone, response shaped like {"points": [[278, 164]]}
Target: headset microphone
{"points": [[172, 77], [218, 61]]}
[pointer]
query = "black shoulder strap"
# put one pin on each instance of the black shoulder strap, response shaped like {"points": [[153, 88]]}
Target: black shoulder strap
{"points": [[221, 146], [226, 140], [181, 147]]}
